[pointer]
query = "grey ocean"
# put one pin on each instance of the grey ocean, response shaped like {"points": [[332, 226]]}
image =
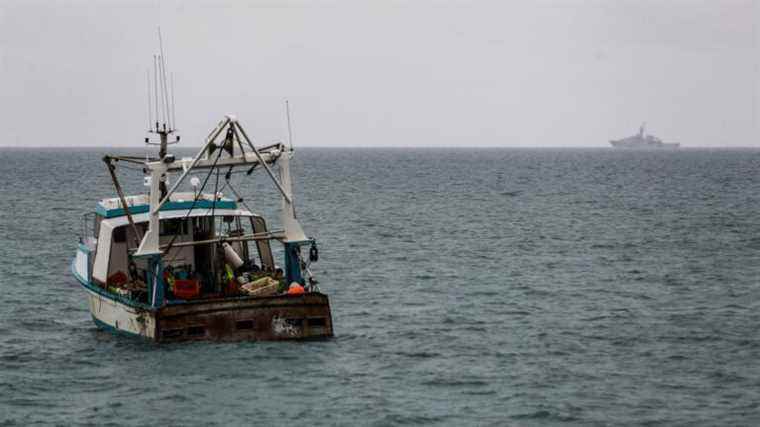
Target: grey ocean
{"points": [[468, 287]]}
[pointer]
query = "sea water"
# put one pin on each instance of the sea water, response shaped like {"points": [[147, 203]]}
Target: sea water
{"points": [[467, 286]]}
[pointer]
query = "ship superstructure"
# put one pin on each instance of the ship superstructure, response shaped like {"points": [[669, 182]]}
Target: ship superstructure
{"points": [[642, 141]]}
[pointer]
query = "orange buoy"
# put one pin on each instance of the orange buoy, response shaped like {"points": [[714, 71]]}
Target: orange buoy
{"points": [[295, 289]]}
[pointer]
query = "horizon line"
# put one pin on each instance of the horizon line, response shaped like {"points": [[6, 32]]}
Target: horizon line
{"points": [[408, 147]]}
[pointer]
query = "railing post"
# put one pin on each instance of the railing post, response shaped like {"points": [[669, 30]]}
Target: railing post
{"points": [[293, 263], [156, 281]]}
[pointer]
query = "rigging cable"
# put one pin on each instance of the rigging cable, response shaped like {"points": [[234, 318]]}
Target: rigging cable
{"points": [[200, 191], [240, 198], [195, 200], [216, 191]]}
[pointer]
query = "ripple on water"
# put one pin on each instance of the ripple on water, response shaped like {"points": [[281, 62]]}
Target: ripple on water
{"points": [[525, 287]]}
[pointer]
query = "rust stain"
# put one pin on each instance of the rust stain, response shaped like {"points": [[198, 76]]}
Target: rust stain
{"points": [[280, 317]]}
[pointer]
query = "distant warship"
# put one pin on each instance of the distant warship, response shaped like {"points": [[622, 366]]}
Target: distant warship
{"points": [[642, 141]]}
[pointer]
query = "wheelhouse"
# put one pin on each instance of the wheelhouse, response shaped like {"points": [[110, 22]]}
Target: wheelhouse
{"points": [[211, 248]]}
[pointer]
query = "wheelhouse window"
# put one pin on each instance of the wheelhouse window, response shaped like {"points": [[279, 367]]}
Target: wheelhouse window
{"points": [[170, 227], [120, 234]]}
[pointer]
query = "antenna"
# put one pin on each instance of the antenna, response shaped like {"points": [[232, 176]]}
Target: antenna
{"points": [[150, 107], [290, 131], [164, 100], [155, 91], [163, 92], [174, 121], [163, 76]]}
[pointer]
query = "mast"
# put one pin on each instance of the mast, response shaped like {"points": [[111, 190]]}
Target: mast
{"points": [[164, 100], [293, 231], [290, 131], [249, 156]]}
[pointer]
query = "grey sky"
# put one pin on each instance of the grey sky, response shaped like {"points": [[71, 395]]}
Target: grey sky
{"points": [[385, 73]]}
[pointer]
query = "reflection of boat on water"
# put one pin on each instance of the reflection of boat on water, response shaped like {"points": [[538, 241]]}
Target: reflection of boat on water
{"points": [[641, 140], [195, 265]]}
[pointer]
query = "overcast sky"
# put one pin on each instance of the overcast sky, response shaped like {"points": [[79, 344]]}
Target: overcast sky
{"points": [[385, 73]]}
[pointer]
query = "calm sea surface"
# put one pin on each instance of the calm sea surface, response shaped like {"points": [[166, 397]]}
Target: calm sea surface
{"points": [[468, 287]]}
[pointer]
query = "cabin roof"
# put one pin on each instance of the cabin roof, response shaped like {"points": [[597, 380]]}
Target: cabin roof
{"points": [[111, 208], [178, 213]]}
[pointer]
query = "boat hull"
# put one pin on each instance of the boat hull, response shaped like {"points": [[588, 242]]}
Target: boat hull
{"points": [[282, 317], [644, 145], [118, 317]]}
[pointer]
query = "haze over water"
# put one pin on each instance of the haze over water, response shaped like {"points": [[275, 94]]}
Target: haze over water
{"points": [[499, 286]]}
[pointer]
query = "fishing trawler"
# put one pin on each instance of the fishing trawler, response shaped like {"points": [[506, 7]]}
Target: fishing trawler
{"points": [[642, 141], [196, 265]]}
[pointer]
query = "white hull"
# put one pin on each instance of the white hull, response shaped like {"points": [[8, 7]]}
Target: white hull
{"points": [[112, 315], [253, 318]]}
